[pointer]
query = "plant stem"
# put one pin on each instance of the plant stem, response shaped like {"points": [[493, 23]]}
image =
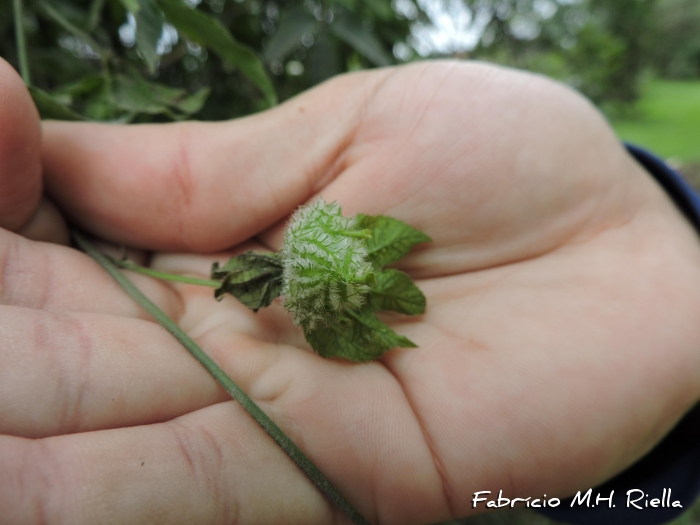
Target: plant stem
{"points": [[131, 265], [275, 432], [21, 43], [57, 17], [94, 15], [361, 234]]}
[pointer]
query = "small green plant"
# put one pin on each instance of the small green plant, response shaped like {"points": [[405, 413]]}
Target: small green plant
{"points": [[275, 432], [331, 273]]}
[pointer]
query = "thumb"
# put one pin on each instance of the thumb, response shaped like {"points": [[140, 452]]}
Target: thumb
{"points": [[20, 146], [202, 186]]}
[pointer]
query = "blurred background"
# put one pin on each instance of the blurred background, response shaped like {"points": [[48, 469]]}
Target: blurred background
{"points": [[162, 60], [155, 60]]}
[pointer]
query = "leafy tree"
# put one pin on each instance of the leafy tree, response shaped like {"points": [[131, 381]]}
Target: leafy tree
{"points": [[676, 39], [152, 60], [630, 22], [599, 46], [146, 60]]}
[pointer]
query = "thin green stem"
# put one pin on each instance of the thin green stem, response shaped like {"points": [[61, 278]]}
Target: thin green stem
{"points": [[94, 15], [21, 43], [53, 14], [360, 234], [304, 463], [131, 265]]}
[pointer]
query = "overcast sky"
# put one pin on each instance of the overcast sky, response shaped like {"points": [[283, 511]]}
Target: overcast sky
{"points": [[455, 28]]}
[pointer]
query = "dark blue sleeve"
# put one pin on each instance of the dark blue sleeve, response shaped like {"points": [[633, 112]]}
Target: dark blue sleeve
{"points": [[671, 471]]}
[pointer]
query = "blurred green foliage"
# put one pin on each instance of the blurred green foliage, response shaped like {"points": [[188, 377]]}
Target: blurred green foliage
{"points": [[600, 47], [155, 60], [151, 60], [676, 39]]}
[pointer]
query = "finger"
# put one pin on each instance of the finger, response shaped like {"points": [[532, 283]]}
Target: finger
{"points": [[353, 419], [20, 151], [65, 373], [202, 186], [210, 467], [56, 278], [46, 224]]}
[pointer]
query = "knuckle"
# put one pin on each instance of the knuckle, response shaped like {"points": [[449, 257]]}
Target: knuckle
{"points": [[30, 487]]}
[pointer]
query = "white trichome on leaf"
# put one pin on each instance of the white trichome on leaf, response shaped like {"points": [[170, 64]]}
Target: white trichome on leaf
{"points": [[331, 275], [326, 270]]}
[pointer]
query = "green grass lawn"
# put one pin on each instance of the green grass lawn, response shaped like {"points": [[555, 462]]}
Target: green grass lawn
{"points": [[666, 121]]}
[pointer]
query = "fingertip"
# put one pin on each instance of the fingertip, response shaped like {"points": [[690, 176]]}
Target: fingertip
{"points": [[20, 147]]}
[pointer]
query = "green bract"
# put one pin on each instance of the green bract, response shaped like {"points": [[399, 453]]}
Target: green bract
{"points": [[326, 271], [331, 273]]}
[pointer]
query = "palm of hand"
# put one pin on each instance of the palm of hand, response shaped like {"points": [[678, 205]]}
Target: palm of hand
{"points": [[539, 366]]}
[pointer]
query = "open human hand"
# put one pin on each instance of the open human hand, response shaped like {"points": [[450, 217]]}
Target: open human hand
{"points": [[558, 344]]}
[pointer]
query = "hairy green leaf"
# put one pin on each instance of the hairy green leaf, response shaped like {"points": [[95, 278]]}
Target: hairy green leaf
{"points": [[325, 264], [289, 32], [357, 336], [350, 30], [247, 266], [253, 278], [254, 295], [211, 33], [395, 291], [52, 108], [391, 238], [329, 270]]}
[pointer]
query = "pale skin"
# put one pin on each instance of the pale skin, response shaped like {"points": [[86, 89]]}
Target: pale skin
{"points": [[559, 343]]}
